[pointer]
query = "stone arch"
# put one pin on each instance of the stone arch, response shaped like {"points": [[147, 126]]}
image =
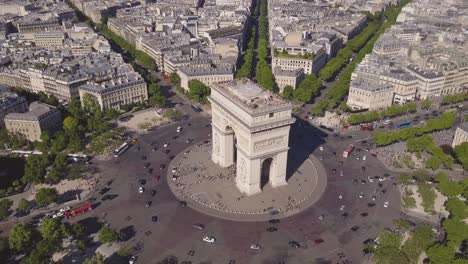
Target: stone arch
{"points": [[266, 170]]}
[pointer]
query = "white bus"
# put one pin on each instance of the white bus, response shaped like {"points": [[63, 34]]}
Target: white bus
{"points": [[120, 150]]}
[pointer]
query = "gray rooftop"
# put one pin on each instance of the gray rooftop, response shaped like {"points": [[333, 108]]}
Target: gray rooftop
{"points": [[36, 112], [369, 86]]}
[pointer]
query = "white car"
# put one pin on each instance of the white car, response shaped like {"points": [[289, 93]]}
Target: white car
{"points": [[141, 190], [321, 217], [381, 179], [386, 204], [321, 148], [179, 129], [166, 145], [255, 246], [342, 208], [373, 198], [364, 157], [173, 170], [209, 239], [341, 173], [132, 260], [370, 179], [340, 196], [361, 195]]}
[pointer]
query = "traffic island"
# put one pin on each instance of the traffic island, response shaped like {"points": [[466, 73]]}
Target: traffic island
{"points": [[210, 189]]}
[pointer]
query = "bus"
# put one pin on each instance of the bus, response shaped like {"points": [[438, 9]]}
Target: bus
{"points": [[120, 150], [404, 124], [348, 150]]}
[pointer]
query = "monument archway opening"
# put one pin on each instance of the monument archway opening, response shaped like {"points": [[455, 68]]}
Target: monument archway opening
{"points": [[231, 131], [265, 172]]}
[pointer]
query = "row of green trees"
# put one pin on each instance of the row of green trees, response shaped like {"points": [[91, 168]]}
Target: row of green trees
{"points": [[245, 71], [392, 111], [307, 89], [339, 89], [356, 43], [263, 72], [445, 121], [334, 65], [454, 98], [426, 143]]}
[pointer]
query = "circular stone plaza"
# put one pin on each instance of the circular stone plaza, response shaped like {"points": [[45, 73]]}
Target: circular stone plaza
{"points": [[243, 173]]}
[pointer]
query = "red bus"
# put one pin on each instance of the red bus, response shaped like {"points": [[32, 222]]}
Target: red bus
{"points": [[348, 150], [79, 210]]}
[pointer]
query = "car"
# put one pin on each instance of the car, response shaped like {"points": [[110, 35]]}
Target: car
{"points": [[108, 183], [386, 204], [344, 215], [364, 157], [132, 260], [364, 214], [361, 195], [188, 141], [380, 185], [334, 153], [374, 198], [141, 181], [109, 197], [342, 207], [189, 124], [154, 149], [154, 218], [148, 203], [341, 173], [153, 192], [358, 158], [334, 170], [198, 226], [383, 192], [162, 166], [167, 151], [271, 229], [354, 228], [358, 150], [255, 246], [355, 181], [381, 179], [183, 203], [175, 137], [171, 157], [209, 239], [294, 244], [321, 148], [104, 190], [274, 221], [154, 143], [363, 168], [318, 241], [174, 170], [321, 158], [166, 144], [367, 149], [156, 178], [363, 181], [179, 129], [370, 179], [394, 184], [141, 190], [149, 171], [340, 196], [321, 217], [340, 162], [147, 164]]}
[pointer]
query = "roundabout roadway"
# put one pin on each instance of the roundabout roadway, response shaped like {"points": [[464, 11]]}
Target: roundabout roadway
{"points": [[173, 233]]}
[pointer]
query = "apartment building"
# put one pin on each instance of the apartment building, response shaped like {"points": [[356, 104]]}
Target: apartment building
{"points": [[284, 77], [40, 117], [49, 39], [205, 75], [461, 135], [174, 62], [404, 85], [116, 93], [292, 62], [430, 83], [37, 25], [367, 95], [11, 103]]}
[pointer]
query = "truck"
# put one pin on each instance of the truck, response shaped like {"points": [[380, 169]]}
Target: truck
{"points": [[86, 207], [348, 150], [404, 124]]}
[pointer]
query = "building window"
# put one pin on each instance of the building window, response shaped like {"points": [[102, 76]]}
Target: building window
{"points": [[271, 115]]}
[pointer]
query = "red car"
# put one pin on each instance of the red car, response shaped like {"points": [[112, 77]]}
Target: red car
{"points": [[156, 178]]}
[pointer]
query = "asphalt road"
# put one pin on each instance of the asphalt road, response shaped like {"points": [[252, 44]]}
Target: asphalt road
{"points": [[173, 233]]}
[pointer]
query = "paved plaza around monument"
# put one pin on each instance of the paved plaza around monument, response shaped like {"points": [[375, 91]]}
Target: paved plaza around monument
{"points": [[211, 189]]}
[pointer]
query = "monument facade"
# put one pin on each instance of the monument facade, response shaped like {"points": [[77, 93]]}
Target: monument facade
{"points": [[250, 129]]}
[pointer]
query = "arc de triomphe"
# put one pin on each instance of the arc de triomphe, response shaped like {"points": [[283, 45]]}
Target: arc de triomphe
{"points": [[250, 128]]}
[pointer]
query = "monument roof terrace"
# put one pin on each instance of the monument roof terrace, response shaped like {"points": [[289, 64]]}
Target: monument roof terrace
{"points": [[251, 97]]}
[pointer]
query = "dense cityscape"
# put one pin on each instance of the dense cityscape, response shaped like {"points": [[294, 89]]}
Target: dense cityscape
{"points": [[234, 131]]}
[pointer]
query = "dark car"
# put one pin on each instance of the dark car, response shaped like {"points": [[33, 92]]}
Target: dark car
{"points": [[141, 181], [341, 162], [175, 137], [274, 221], [364, 214], [354, 228], [154, 218], [149, 171], [154, 143], [109, 197], [344, 215], [183, 203], [154, 149], [371, 204], [189, 124], [104, 190], [166, 151], [383, 192], [318, 241], [147, 203], [294, 244], [162, 166], [171, 157], [147, 164], [334, 170], [198, 226], [272, 229], [108, 183], [363, 181], [153, 192]]}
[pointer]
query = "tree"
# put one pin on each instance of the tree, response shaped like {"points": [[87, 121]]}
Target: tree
{"points": [[107, 235], [5, 205], [153, 89], [440, 254], [41, 254], [53, 229], [70, 123], [175, 79], [461, 153], [421, 238], [173, 114], [447, 187], [23, 205], [35, 168], [388, 249], [78, 229], [20, 237], [426, 104], [96, 259], [46, 196], [169, 260], [457, 208], [198, 91], [158, 100], [4, 248], [288, 92]]}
